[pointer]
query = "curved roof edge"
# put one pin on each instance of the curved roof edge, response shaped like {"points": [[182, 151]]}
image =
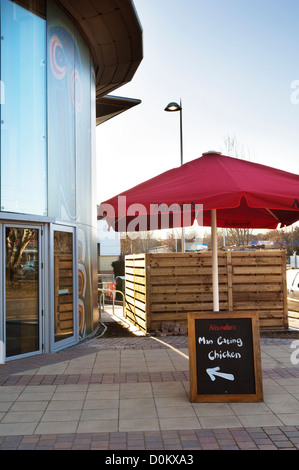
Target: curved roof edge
{"points": [[111, 106], [114, 34]]}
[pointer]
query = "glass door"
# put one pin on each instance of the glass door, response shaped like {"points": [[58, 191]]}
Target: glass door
{"points": [[22, 290], [64, 303]]}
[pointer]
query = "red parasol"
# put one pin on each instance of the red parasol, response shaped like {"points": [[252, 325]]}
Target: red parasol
{"points": [[217, 190]]}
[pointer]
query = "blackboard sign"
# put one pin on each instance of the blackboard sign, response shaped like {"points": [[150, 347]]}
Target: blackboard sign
{"points": [[224, 355]]}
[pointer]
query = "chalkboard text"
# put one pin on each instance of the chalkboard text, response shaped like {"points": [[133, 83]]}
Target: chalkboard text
{"points": [[221, 340], [222, 327]]}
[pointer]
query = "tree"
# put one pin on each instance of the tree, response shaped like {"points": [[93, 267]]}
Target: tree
{"points": [[234, 149], [295, 239], [237, 237], [283, 238], [16, 242]]}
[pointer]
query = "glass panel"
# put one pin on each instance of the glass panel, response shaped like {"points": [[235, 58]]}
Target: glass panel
{"points": [[63, 80], [63, 285], [23, 111], [22, 291], [83, 134]]}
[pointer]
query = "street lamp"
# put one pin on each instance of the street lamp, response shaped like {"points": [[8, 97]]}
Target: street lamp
{"points": [[172, 108]]}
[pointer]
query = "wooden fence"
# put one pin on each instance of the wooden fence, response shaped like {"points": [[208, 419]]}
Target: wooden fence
{"points": [[164, 287]]}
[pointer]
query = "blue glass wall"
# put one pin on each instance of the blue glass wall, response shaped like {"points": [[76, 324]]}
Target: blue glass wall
{"points": [[23, 111]]}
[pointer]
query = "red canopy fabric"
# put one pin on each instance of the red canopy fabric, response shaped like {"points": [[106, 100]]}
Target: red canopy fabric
{"points": [[245, 194]]}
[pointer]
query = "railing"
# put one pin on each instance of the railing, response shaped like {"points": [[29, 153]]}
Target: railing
{"points": [[109, 283], [102, 297]]}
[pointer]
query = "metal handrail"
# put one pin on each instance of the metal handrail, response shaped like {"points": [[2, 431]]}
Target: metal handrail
{"points": [[103, 291]]}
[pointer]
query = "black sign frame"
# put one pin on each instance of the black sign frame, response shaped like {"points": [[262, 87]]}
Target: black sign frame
{"points": [[225, 357]]}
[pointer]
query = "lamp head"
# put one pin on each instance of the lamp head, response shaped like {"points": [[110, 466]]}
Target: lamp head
{"points": [[172, 107]]}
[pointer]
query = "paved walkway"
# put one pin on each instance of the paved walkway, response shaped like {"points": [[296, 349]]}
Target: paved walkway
{"points": [[132, 393]]}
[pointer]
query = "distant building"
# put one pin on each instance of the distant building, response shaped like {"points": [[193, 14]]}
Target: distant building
{"points": [[108, 249]]}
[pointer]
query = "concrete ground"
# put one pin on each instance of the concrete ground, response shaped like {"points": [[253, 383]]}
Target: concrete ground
{"points": [[132, 393]]}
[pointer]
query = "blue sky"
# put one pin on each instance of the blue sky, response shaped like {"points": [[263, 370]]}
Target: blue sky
{"points": [[233, 63]]}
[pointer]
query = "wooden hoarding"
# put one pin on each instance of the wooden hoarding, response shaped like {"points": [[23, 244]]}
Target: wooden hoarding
{"points": [[224, 357], [163, 287]]}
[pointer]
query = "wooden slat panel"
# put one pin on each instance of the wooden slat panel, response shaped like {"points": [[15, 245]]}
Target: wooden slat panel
{"points": [[182, 289], [181, 298], [182, 271], [63, 271], [257, 269], [135, 274], [256, 278]]}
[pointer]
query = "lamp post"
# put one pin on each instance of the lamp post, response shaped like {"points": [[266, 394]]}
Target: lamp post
{"points": [[172, 108]]}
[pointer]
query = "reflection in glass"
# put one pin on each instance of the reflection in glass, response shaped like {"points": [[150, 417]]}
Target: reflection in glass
{"points": [[23, 111], [38, 7], [63, 81], [63, 285], [22, 291]]}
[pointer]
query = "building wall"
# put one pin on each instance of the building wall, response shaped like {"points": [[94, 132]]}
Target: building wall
{"points": [[105, 264], [48, 87], [71, 153], [47, 158]]}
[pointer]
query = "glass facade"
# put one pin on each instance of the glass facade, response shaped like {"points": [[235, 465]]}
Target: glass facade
{"points": [[71, 156], [62, 76], [69, 127], [23, 111], [47, 171]]}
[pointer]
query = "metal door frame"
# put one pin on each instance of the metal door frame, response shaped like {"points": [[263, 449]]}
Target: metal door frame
{"points": [[75, 338], [2, 301], [41, 296]]}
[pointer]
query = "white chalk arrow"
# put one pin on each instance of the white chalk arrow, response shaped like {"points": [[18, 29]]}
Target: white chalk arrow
{"points": [[214, 371]]}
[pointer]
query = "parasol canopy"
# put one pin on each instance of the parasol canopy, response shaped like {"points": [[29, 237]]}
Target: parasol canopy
{"points": [[215, 190], [245, 194]]}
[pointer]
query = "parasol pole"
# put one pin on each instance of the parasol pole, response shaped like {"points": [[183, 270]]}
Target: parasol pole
{"points": [[215, 261]]}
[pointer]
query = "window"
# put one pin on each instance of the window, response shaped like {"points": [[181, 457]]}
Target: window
{"points": [[63, 286], [38, 7], [23, 110], [22, 290]]}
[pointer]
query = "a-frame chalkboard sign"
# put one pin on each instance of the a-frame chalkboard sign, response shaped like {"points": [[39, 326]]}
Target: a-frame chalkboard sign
{"points": [[224, 357]]}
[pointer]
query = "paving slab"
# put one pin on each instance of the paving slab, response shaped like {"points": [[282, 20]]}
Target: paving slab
{"points": [[132, 393]]}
